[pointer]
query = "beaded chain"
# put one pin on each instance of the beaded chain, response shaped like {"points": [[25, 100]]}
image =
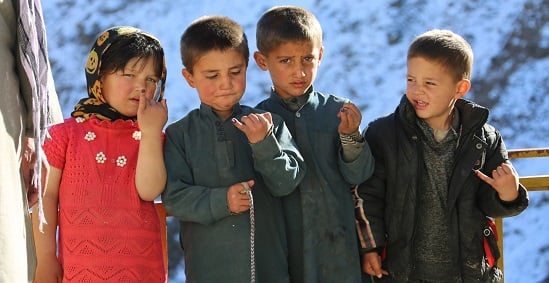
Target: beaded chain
{"points": [[248, 191]]}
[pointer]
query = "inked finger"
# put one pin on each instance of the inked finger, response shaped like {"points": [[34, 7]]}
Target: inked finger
{"points": [[237, 123]]}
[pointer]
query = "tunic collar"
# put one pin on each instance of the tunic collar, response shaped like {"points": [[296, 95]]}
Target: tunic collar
{"points": [[209, 112]]}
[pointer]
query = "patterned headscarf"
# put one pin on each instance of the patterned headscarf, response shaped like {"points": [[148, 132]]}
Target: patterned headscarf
{"points": [[95, 103]]}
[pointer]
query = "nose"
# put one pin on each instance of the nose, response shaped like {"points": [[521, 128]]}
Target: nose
{"points": [[416, 89], [299, 71], [226, 82], [140, 87]]}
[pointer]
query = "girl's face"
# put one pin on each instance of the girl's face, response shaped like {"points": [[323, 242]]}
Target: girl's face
{"points": [[432, 91], [123, 88], [220, 79], [293, 66]]}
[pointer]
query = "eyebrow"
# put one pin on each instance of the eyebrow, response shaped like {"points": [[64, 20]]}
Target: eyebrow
{"points": [[238, 66]]}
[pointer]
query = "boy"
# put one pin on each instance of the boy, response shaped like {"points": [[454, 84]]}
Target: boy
{"points": [[322, 239], [216, 153], [440, 170]]}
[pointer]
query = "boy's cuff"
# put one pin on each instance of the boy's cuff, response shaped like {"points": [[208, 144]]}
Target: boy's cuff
{"points": [[351, 139]]}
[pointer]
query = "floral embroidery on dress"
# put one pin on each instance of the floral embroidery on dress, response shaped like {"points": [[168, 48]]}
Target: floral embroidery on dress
{"points": [[100, 157], [121, 161], [136, 135], [90, 136]]}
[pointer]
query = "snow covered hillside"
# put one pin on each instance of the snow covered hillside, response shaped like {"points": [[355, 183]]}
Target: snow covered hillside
{"points": [[365, 50]]}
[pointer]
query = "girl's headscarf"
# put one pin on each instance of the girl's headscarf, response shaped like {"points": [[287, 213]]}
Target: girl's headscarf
{"points": [[95, 103]]}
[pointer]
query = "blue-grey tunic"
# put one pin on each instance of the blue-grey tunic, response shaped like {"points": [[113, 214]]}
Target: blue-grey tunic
{"points": [[204, 156], [322, 237]]}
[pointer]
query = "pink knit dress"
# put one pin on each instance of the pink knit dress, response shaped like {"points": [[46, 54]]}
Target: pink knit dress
{"points": [[106, 232]]}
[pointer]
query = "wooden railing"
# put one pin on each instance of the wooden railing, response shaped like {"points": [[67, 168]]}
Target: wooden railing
{"points": [[532, 183]]}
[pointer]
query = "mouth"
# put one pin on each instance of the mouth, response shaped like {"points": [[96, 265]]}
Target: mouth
{"points": [[299, 84], [420, 104], [224, 94]]}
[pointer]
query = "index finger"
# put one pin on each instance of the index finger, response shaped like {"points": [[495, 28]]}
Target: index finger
{"points": [[484, 178], [376, 267], [142, 102], [353, 109], [242, 127]]}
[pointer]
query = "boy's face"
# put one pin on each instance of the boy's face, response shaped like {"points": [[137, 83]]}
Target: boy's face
{"points": [[123, 88], [292, 65], [220, 79], [432, 91]]}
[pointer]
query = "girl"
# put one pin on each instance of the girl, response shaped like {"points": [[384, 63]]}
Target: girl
{"points": [[107, 168]]}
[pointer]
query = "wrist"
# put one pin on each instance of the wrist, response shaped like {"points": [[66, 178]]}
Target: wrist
{"points": [[351, 139]]}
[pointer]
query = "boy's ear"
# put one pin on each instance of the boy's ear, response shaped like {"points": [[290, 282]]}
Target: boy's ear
{"points": [[320, 53], [260, 60], [188, 77], [463, 88]]}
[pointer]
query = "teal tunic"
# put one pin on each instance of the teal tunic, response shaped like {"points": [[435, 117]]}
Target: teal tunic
{"points": [[204, 156], [323, 245]]}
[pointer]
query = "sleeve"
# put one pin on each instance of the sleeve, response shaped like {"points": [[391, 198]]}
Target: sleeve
{"points": [[359, 169], [351, 145], [278, 160], [56, 145], [183, 199], [489, 201]]}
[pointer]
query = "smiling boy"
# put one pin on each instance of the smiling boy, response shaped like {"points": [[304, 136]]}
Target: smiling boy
{"points": [[440, 170]]}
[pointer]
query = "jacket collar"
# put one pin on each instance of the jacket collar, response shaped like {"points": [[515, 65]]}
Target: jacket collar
{"points": [[472, 116]]}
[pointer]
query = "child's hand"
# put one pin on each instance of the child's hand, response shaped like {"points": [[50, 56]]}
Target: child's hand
{"points": [[350, 119], [151, 115], [48, 271], [505, 181], [371, 264], [238, 199], [27, 169], [256, 126]]}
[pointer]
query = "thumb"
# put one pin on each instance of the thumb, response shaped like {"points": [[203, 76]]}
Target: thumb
{"points": [[251, 183]]}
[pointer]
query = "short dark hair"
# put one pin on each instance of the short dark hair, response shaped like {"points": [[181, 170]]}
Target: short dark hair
{"points": [[129, 46], [282, 24], [449, 49], [212, 33]]}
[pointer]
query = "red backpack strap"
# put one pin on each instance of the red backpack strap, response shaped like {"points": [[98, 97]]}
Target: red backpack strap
{"points": [[491, 250]]}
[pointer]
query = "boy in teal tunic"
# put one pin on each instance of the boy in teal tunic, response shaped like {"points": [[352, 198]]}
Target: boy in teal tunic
{"points": [[322, 237], [218, 151]]}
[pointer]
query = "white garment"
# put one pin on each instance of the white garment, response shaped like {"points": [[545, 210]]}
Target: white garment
{"points": [[17, 255], [15, 227]]}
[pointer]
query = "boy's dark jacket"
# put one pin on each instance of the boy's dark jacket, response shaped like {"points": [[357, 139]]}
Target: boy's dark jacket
{"points": [[390, 195]]}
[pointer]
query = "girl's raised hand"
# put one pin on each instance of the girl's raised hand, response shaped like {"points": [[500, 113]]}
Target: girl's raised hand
{"points": [[151, 115]]}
